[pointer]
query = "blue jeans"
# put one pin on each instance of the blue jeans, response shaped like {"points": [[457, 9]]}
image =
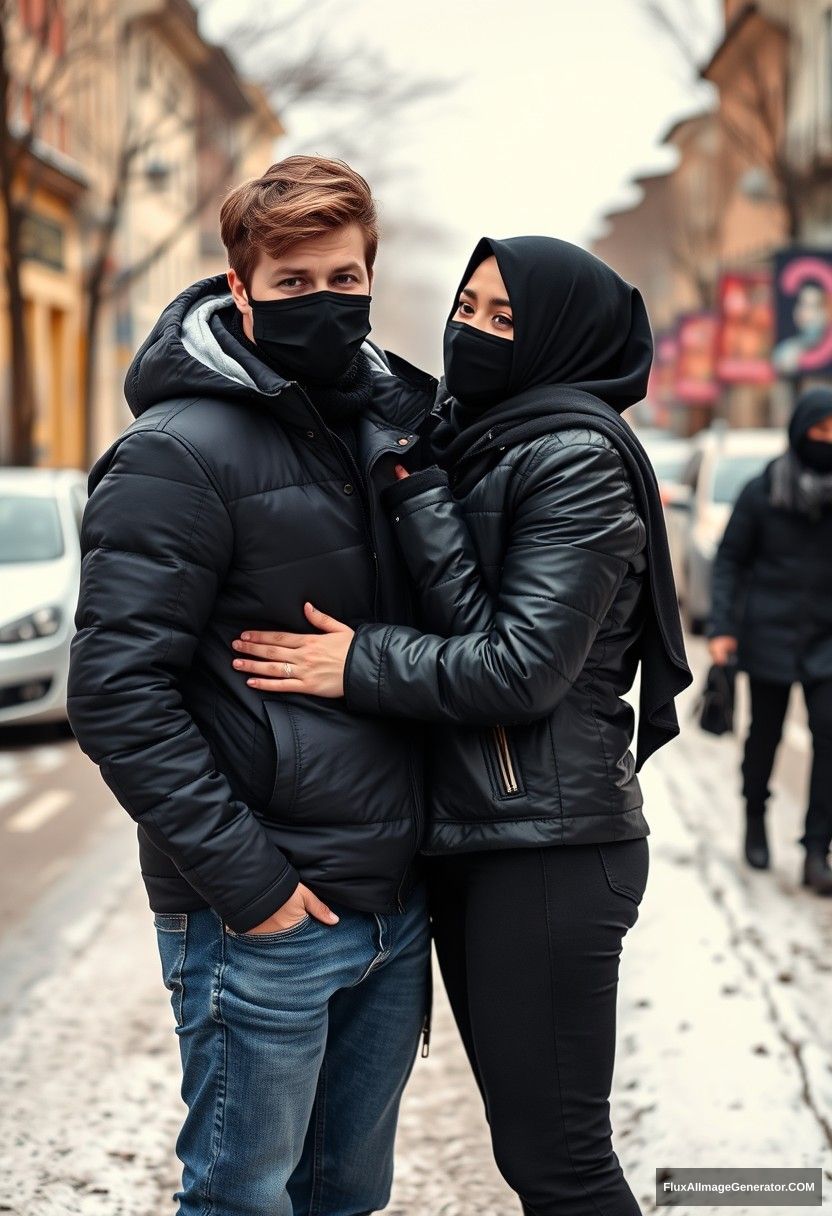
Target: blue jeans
{"points": [[296, 1047]]}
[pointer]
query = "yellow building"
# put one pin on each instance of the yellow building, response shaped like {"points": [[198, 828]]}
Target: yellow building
{"points": [[140, 127], [48, 188]]}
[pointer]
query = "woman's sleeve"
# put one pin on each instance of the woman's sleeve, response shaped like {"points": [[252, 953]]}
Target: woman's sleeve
{"points": [[574, 531], [433, 537]]}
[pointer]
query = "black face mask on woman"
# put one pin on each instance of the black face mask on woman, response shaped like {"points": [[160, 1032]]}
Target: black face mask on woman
{"points": [[477, 365], [312, 338]]}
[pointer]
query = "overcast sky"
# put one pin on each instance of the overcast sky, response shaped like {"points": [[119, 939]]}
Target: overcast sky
{"points": [[555, 104]]}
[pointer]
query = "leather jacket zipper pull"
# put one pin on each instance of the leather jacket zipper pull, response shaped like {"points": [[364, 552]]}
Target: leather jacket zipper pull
{"points": [[426, 1035], [426, 1024]]}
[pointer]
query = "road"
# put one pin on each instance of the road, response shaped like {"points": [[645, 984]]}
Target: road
{"points": [[724, 1035]]}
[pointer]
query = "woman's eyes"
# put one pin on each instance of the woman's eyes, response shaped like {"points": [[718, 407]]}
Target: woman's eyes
{"points": [[500, 320]]}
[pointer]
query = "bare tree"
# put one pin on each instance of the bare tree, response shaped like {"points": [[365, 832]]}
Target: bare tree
{"points": [[35, 64], [691, 248], [753, 119], [299, 68], [349, 98]]}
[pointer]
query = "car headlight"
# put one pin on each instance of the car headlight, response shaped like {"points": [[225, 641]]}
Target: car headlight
{"points": [[40, 624]]}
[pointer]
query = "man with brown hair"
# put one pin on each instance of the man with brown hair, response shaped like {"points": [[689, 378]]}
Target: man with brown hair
{"points": [[277, 835]]}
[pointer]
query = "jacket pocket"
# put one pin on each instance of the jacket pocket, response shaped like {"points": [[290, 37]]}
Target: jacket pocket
{"points": [[332, 766], [285, 782], [502, 763]]}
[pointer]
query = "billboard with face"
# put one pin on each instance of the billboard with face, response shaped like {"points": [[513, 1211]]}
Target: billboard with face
{"points": [[803, 304]]}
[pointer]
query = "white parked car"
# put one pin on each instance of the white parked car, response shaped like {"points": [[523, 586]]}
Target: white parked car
{"points": [[723, 461], [40, 566]]}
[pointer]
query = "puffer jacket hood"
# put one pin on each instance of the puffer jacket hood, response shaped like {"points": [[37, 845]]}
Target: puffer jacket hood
{"points": [[190, 353]]}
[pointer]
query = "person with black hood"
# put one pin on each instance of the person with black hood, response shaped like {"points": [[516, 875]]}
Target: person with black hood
{"points": [[772, 611], [538, 550]]}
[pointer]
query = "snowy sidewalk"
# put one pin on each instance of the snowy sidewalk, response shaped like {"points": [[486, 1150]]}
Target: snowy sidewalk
{"points": [[724, 1039]]}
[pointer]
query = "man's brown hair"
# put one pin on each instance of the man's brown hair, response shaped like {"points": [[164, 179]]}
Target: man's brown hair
{"points": [[297, 199]]}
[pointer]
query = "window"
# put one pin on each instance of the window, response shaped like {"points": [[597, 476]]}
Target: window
{"points": [[56, 33], [732, 473], [42, 240], [30, 529], [78, 499], [690, 476], [144, 66], [45, 19], [826, 66]]}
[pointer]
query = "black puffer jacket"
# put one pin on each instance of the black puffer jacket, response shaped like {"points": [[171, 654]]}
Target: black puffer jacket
{"points": [[772, 588], [225, 506], [540, 564]]}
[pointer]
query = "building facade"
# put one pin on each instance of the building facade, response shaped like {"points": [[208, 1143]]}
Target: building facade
{"points": [[137, 128], [751, 176]]}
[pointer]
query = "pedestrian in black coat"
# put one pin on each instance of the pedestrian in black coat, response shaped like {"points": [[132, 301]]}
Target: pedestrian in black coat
{"points": [[772, 608]]}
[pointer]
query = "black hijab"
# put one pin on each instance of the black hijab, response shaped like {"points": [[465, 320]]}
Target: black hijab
{"points": [[582, 354]]}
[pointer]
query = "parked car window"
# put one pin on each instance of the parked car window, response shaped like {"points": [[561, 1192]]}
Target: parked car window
{"points": [[79, 500], [732, 473], [30, 529], [690, 474], [668, 467]]}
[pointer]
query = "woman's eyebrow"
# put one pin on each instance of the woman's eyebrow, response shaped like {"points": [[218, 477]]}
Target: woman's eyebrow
{"points": [[497, 301]]}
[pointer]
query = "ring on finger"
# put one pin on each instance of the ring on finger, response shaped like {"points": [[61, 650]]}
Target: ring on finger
{"points": [[287, 667]]}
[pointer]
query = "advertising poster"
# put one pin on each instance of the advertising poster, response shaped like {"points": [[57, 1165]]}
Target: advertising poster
{"points": [[803, 304], [695, 381], [663, 373], [745, 335]]}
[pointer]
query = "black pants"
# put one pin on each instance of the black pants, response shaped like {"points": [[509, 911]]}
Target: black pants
{"points": [[768, 711], [529, 942]]}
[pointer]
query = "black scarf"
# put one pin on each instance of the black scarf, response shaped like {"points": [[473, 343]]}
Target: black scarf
{"points": [[582, 354]]}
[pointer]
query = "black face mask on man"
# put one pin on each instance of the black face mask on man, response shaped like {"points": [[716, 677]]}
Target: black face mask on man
{"points": [[477, 365], [313, 338], [815, 453]]}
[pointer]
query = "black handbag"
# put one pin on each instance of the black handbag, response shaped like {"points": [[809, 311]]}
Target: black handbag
{"points": [[715, 706]]}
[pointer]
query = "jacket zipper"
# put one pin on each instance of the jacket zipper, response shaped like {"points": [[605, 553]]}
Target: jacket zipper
{"points": [[505, 765], [351, 467], [348, 462]]}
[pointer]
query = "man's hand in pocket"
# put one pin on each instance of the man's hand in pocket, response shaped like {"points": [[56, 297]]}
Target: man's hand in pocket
{"points": [[301, 903]]}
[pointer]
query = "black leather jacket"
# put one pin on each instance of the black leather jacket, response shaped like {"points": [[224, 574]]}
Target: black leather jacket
{"points": [[225, 506], [530, 583]]}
